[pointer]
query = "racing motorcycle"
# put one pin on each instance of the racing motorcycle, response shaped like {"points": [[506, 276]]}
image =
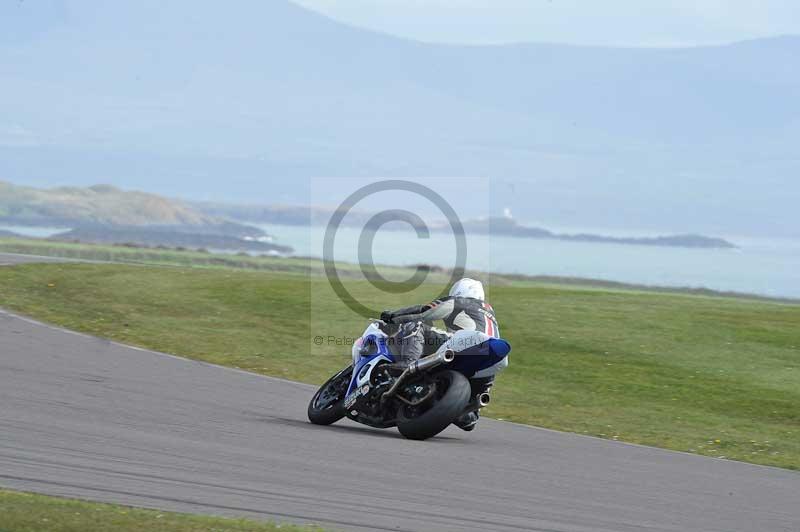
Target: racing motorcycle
{"points": [[422, 399]]}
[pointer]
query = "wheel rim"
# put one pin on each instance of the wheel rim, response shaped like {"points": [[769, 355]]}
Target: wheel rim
{"points": [[442, 383], [332, 392]]}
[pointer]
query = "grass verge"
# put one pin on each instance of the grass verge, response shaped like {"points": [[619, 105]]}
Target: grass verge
{"points": [[25, 512], [713, 376]]}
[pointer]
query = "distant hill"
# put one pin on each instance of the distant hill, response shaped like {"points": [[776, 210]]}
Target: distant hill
{"points": [[98, 204], [510, 227], [108, 215], [242, 101], [500, 226], [103, 208], [162, 236]]}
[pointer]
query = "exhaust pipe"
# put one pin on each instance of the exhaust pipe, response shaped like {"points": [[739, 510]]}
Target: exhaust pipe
{"points": [[484, 399], [437, 359]]}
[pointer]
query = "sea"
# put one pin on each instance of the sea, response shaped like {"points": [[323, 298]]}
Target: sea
{"points": [[761, 266]]}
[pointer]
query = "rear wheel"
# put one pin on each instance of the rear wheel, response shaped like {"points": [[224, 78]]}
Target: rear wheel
{"points": [[428, 420], [327, 405]]}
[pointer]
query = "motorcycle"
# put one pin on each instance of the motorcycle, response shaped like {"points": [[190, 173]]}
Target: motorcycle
{"points": [[422, 399]]}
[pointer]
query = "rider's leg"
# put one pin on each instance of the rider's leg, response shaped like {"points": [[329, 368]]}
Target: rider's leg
{"points": [[411, 338], [434, 339], [417, 339]]}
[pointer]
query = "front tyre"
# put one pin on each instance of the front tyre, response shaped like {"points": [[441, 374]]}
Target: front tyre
{"points": [[327, 405], [452, 396]]}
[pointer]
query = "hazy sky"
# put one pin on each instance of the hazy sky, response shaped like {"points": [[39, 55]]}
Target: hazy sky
{"points": [[610, 22]]}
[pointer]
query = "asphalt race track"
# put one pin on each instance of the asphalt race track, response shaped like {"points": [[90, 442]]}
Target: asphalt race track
{"points": [[85, 417]]}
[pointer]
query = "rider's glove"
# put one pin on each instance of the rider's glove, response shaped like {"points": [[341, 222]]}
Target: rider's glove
{"points": [[386, 316]]}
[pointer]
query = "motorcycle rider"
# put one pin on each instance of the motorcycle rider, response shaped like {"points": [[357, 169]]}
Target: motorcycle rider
{"points": [[463, 309]]}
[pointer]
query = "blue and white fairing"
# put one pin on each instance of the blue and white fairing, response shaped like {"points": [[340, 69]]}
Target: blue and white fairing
{"points": [[368, 351]]}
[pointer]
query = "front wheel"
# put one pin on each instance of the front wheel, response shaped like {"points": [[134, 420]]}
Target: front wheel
{"points": [[428, 420], [327, 405]]}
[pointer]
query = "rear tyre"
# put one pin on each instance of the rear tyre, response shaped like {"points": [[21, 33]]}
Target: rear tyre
{"points": [[452, 396], [327, 405]]}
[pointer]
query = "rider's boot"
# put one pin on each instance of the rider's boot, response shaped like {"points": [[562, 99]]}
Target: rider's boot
{"points": [[467, 421], [470, 419]]}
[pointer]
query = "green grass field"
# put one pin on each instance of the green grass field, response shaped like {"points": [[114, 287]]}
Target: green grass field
{"points": [[713, 376], [25, 512]]}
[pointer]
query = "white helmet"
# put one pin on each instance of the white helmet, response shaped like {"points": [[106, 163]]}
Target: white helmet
{"points": [[467, 287]]}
